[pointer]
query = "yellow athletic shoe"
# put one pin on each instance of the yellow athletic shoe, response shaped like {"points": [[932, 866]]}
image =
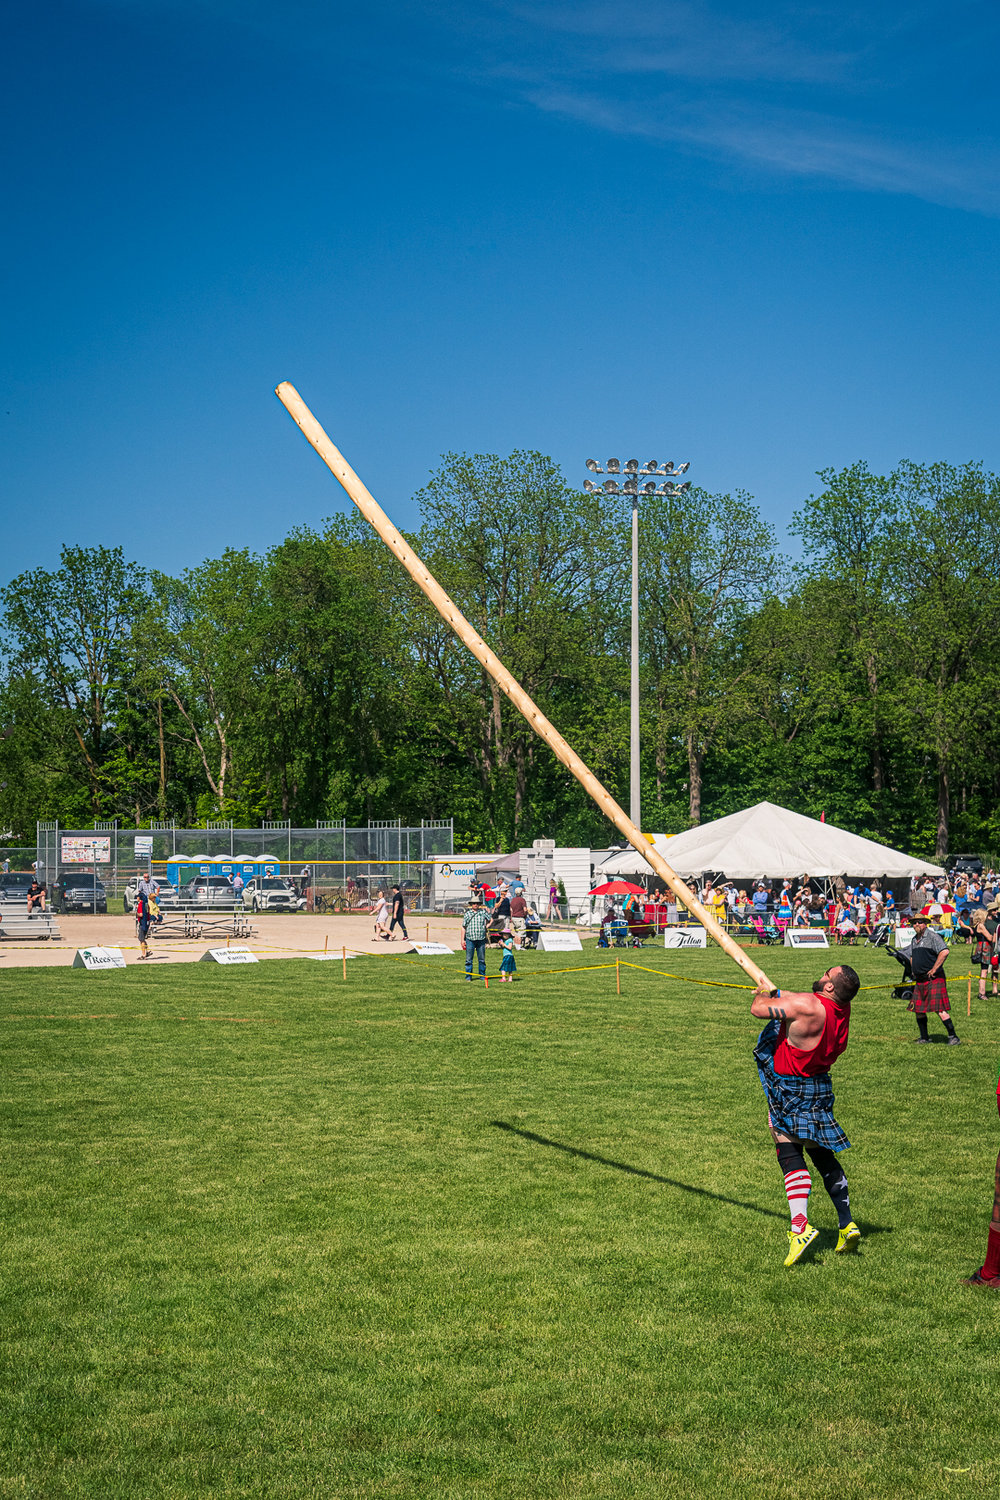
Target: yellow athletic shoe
{"points": [[798, 1244], [849, 1238]]}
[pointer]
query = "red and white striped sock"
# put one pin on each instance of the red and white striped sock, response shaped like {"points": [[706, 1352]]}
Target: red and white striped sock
{"points": [[798, 1185]]}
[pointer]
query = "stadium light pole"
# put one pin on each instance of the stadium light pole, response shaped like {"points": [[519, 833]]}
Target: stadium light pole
{"points": [[631, 472]]}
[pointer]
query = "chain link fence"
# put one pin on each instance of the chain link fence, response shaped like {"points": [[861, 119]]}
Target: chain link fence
{"points": [[336, 867]]}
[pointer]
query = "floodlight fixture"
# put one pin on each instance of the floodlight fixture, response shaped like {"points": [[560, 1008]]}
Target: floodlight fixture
{"points": [[631, 473]]}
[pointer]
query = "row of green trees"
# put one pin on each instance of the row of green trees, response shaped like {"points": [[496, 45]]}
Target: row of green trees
{"points": [[316, 682]]}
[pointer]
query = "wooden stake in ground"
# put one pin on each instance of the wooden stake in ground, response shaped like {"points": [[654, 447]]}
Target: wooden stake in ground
{"points": [[344, 961], [618, 975], [448, 609]]}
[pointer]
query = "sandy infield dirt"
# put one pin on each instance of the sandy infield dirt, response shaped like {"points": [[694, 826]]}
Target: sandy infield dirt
{"points": [[278, 935]]}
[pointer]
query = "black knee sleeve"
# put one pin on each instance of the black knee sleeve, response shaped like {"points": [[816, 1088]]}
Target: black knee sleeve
{"points": [[824, 1158], [790, 1158], [834, 1180]]}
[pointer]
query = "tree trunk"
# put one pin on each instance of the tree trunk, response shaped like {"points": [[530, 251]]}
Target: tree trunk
{"points": [[943, 812], [520, 784], [695, 758], [878, 770]]}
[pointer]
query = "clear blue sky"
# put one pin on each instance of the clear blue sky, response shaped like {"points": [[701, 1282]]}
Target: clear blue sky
{"points": [[760, 237]]}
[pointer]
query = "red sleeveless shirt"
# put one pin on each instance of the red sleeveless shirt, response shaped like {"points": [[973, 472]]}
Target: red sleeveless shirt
{"points": [[793, 1061]]}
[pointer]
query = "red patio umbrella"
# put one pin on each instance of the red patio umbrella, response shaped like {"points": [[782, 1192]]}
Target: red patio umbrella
{"points": [[617, 888]]}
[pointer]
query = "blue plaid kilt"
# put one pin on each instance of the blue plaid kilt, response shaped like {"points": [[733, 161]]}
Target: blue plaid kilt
{"points": [[799, 1107]]}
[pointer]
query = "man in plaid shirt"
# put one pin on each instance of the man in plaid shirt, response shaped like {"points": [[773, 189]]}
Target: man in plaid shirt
{"points": [[474, 922]]}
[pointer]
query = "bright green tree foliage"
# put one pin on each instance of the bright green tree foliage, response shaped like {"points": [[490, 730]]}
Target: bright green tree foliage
{"points": [[316, 681]]}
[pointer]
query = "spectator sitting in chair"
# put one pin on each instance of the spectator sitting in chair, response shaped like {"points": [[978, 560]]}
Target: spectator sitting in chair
{"points": [[36, 895], [963, 925]]}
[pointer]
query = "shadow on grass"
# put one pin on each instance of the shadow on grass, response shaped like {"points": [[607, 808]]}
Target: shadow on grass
{"points": [[621, 1166]]}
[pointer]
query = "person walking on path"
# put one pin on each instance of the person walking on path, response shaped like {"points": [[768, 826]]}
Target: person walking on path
{"points": [[928, 952], [381, 910], [146, 891], [553, 900], [474, 925], [988, 1274], [397, 914], [804, 1036]]}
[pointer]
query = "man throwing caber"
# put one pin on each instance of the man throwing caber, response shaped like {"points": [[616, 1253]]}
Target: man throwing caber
{"points": [[805, 1035]]}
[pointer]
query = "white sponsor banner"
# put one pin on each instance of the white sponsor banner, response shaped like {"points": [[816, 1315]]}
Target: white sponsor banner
{"points": [[99, 958], [805, 937], [902, 937], [328, 958], [86, 851], [453, 877], [143, 844], [228, 956], [685, 937], [432, 950], [560, 942]]}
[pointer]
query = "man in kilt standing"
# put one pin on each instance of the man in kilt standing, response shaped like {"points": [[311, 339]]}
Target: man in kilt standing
{"points": [[805, 1035], [928, 952]]}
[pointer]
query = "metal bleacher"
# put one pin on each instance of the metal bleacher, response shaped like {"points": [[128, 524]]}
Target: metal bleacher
{"points": [[15, 922]]}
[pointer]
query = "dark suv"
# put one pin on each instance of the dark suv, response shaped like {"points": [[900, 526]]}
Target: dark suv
{"points": [[14, 886], [966, 864], [79, 891]]}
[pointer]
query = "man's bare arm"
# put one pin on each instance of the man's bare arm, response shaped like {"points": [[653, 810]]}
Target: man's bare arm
{"points": [[785, 1006]]}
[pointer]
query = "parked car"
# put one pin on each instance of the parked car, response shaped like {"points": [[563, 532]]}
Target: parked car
{"points": [[14, 886], [270, 893], [965, 864], [208, 890], [167, 897], [79, 890]]}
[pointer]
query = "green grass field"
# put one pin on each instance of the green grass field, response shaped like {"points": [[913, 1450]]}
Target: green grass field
{"points": [[268, 1233]]}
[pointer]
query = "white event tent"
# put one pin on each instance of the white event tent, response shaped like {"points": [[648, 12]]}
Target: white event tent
{"points": [[766, 841]]}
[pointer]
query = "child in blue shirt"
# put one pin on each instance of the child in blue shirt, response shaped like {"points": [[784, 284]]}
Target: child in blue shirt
{"points": [[508, 968]]}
